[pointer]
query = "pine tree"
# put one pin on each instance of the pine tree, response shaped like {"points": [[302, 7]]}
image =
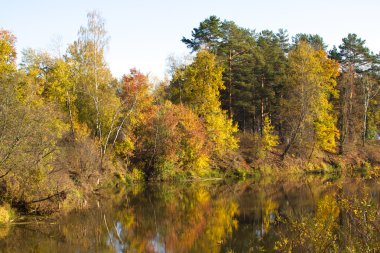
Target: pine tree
{"points": [[358, 86]]}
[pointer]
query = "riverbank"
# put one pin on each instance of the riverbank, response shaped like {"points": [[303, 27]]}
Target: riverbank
{"points": [[356, 159], [238, 165]]}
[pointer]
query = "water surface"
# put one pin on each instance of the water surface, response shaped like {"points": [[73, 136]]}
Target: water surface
{"points": [[214, 216]]}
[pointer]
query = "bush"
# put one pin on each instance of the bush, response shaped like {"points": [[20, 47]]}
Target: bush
{"points": [[6, 214]]}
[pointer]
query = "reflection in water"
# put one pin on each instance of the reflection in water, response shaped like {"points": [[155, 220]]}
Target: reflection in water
{"points": [[310, 215]]}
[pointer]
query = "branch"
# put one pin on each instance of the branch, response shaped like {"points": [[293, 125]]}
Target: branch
{"points": [[58, 194], [6, 173], [123, 121]]}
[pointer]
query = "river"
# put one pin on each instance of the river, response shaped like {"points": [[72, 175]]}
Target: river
{"points": [[307, 214]]}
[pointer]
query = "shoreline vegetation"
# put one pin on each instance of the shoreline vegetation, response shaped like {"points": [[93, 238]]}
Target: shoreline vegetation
{"points": [[246, 104]]}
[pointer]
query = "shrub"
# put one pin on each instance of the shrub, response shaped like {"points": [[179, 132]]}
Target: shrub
{"points": [[6, 214]]}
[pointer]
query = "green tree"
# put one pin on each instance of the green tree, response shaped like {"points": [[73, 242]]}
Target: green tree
{"points": [[358, 87], [207, 35], [254, 68], [237, 54], [270, 74], [235, 50], [314, 40]]}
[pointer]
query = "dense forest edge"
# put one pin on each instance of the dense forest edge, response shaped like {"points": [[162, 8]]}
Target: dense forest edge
{"points": [[243, 104]]}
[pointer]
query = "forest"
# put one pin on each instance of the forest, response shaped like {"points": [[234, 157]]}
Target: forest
{"points": [[242, 103]]}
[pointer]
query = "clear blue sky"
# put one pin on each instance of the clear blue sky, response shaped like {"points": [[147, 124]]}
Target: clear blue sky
{"points": [[144, 32]]}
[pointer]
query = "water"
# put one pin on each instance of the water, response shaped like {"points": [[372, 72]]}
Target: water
{"points": [[214, 216]]}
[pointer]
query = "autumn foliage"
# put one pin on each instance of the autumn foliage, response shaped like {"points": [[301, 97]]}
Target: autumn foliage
{"points": [[67, 126], [172, 141]]}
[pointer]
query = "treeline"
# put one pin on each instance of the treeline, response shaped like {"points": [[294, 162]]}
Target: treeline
{"points": [[313, 98], [67, 126]]}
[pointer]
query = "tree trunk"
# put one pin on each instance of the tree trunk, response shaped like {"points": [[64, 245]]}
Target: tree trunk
{"points": [[230, 87], [262, 108], [70, 115]]}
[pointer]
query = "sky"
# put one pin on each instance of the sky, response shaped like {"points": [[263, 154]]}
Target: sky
{"points": [[143, 33]]}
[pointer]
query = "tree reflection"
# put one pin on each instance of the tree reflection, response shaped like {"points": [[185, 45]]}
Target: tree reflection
{"points": [[342, 222], [300, 215], [160, 218]]}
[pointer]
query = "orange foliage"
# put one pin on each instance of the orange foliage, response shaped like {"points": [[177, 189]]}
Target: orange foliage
{"points": [[133, 84], [172, 140]]}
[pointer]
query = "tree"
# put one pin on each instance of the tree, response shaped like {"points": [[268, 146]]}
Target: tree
{"points": [[254, 68], [238, 55], [52, 78], [370, 89], [135, 109], [201, 83], [357, 86], [269, 140], [206, 36], [270, 74], [29, 132], [307, 107], [172, 142], [314, 40], [234, 48], [7, 51], [96, 101], [62, 89]]}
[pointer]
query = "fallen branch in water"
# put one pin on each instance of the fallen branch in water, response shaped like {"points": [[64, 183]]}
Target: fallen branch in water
{"points": [[61, 194]]}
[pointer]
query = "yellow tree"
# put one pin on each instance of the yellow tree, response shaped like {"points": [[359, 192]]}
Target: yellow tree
{"points": [[30, 131], [198, 86], [269, 140], [61, 88], [7, 51], [96, 101], [326, 132], [307, 108]]}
